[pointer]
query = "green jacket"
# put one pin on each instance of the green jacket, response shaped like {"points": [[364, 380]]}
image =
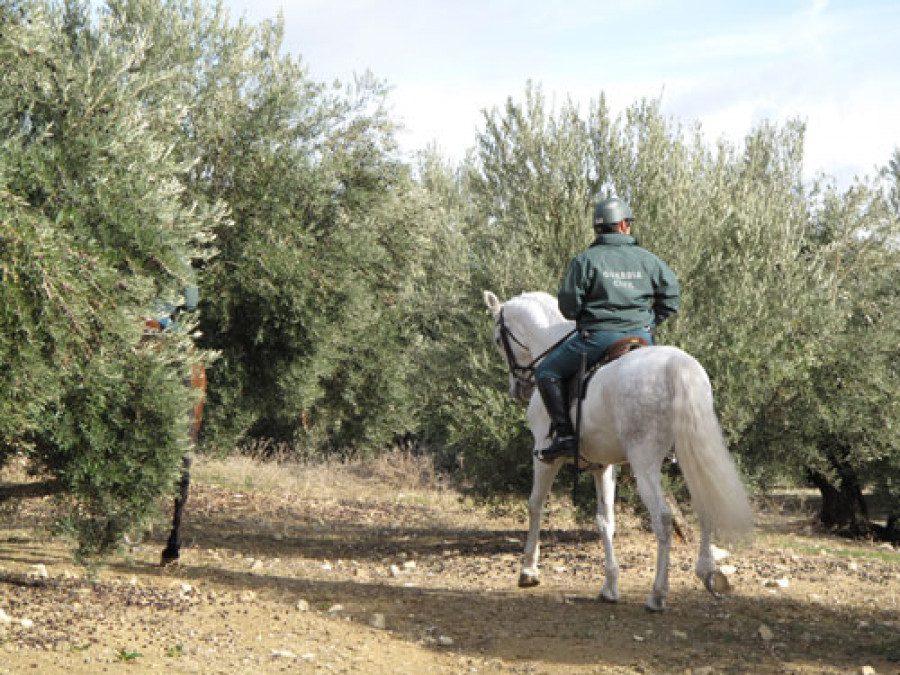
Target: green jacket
{"points": [[616, 285]]}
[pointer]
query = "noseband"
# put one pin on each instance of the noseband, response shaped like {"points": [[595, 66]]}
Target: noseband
{"points": [[524, 375]]}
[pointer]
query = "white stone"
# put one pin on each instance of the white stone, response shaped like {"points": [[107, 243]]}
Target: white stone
{"points": [[303, 605], [765, 633], [4, 617], [284, 654], [378, 621], [38, 571], [445, 641]]}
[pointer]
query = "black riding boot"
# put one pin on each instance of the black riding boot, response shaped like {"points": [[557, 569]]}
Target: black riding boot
{"points": [[564, 444]]}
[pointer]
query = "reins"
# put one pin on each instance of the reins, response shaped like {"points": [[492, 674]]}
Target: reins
{"points": [[515, 368]]}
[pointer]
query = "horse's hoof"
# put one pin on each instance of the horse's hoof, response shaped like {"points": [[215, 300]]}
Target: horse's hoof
{"points": [[169, 558], [655, 603], [607, 601], [717, 584], [528, 581]]}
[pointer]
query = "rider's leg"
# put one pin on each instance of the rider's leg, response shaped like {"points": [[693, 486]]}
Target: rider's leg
{"points": [[552, 376], [564, 444]]}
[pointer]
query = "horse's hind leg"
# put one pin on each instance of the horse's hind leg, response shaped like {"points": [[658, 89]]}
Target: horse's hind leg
{"points": [[540, 488], [172, 551], [714, 581], [661, 519], [605, 482]]}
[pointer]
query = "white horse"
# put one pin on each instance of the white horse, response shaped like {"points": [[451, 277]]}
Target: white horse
{"points": [[636, 409]]}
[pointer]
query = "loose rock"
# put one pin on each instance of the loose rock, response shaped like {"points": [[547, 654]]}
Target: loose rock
{"points": [[38, 572], [284, 654]]}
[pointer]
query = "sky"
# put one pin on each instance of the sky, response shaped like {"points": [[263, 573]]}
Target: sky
{"points": [[727, 65]]}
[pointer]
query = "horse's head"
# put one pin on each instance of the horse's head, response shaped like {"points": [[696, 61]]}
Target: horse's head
{"points": [[512, 339]]}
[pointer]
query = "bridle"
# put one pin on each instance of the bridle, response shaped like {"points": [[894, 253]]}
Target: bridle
{"points": [[524, 375]]}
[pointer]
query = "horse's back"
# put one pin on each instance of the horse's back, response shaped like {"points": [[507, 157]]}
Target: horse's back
{"points": [[643, 374]]}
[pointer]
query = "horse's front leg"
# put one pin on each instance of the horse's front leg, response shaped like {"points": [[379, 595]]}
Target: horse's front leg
{"points": [[605, 482], [540, 488]]}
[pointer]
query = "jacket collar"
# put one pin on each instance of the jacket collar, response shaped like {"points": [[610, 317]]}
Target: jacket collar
{"points": [[614, 239]]}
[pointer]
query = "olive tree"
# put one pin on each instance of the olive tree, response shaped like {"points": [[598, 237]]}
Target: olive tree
{"points": [[96, 229]]}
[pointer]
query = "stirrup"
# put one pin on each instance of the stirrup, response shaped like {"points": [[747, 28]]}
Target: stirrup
{"points": [[564, 446]]}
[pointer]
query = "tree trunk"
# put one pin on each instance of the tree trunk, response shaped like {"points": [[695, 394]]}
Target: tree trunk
{"points": [[843, 504]]}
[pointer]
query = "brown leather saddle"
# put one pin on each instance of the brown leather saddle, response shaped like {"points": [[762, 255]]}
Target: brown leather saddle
{"points": [[616, 350]]}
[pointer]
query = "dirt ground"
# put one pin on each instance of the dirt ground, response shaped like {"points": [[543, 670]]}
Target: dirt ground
{"points": [[361, 569]]}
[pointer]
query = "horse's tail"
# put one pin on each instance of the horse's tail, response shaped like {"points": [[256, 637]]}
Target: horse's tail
{"points": [[717, 493]]}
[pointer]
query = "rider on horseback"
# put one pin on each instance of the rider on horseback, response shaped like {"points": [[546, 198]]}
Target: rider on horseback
{"points": [[614, 289]]}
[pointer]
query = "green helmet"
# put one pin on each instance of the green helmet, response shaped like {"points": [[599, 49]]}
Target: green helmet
{"points": [[611, 211]]}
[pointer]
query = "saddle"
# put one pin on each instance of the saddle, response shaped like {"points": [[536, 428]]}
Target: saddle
{"points": [[616, 350]]}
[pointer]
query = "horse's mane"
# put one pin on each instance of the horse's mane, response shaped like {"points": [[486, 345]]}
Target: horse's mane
{"points": [[541, 307]]}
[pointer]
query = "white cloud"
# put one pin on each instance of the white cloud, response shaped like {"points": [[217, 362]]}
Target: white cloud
{"points": [[728, 66]]}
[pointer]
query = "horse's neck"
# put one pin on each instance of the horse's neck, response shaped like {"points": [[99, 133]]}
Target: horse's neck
{"points": [[547, 336]]}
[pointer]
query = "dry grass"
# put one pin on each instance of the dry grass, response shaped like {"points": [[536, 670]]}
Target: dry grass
{"points": [[382, 477]]}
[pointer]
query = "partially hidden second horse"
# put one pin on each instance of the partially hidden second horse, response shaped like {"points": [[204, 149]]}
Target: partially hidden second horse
{"points": [[635, 411]]}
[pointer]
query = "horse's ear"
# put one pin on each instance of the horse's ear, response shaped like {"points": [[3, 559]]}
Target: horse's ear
{"points": [[492, 302]]}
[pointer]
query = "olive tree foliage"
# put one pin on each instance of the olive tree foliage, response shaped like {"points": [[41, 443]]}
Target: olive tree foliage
{"points": [[95, 228], [836, 427], [303, 300], [451, 354]]}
